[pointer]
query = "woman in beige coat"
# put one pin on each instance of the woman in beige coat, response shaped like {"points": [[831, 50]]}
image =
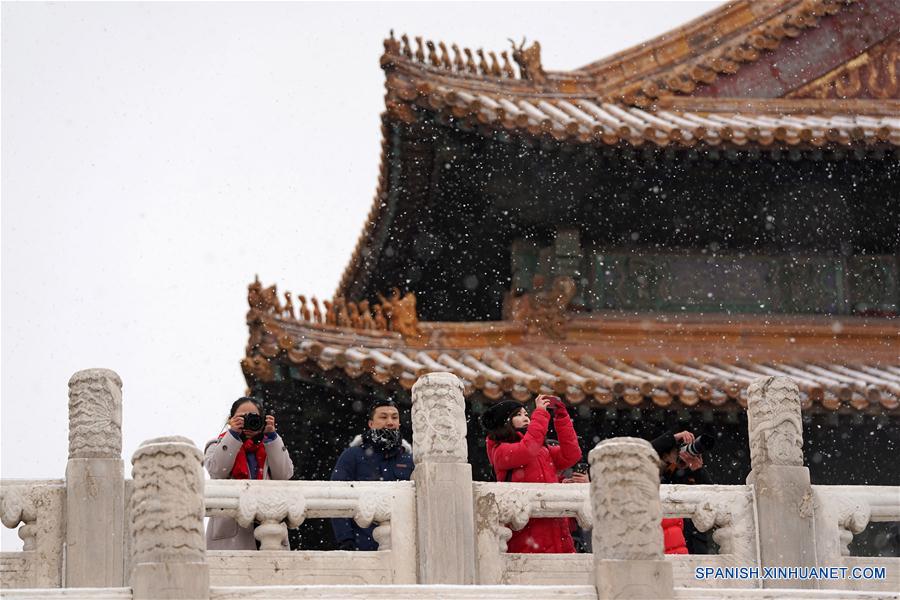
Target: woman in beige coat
{"points": [[244, 453]]}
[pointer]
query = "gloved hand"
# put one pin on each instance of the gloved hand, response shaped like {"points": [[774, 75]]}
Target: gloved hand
{"points": [[545, 401], [556, 406], [347, 545]]}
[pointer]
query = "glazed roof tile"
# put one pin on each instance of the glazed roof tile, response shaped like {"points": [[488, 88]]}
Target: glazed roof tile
{"points": [[624, 363], [681, 123]]}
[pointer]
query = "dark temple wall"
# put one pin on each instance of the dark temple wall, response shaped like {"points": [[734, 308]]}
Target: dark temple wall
{"points": [[460, 200]]}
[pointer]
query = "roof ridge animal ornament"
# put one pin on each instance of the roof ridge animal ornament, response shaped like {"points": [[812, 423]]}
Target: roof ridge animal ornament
{"points": [[529, 61], [289, 306], [544, 310], [316, 310], [401, 312], [264, 299]]}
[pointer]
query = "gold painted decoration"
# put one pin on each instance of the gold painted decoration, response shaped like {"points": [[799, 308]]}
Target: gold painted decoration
{"points": [[871, 75]]}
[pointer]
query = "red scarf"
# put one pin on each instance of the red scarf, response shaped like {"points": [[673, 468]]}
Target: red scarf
{"points": [[241, 470]]}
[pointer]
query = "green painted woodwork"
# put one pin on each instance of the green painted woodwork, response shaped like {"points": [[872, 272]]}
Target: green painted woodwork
{"points": [[617, 279]]}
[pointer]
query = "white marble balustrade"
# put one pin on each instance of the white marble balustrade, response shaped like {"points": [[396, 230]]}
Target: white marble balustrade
{"points": [[502, 508], [440, 528], [276, 505]]}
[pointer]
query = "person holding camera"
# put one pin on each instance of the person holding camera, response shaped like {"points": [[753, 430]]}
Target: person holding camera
{"points": [[681, 462], [379, 454], [249, 449], [580, 473], [517, 449]]}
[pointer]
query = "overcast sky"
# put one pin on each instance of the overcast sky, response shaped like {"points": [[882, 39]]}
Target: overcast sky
{"points": [[155, 156]]}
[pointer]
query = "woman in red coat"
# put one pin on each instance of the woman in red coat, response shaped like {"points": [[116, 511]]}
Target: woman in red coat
{"points": [[517, 450]]}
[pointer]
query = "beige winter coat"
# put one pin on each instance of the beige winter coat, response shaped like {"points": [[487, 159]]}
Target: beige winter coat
{"points": [[223, 533]]}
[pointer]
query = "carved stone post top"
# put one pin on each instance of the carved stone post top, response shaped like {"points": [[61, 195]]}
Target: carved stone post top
{"points": [[625, 500], [774, 422], [172, 444], [95, 414], [437, 378], [167, 504], [622, 445], [439, 419], [93, 375]]}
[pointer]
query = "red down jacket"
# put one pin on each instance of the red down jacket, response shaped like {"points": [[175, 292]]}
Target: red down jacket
{"points": [[532, 462], [673, 536]]}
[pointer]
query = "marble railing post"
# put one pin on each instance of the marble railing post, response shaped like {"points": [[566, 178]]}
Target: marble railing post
{"points": [[784, 497], [167, 506], [443, 478], [627, 535], [95, 482]]}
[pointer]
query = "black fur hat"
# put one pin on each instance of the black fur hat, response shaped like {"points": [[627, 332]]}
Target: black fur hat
{"points": [[498, 414]]}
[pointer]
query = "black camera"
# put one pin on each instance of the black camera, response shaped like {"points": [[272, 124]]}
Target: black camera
{"points": [[254, 422], [582, 468], [701, 444]]}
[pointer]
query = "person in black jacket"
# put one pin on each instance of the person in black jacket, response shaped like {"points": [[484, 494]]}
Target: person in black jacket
{"points": [[681, 467], [379, 454]]}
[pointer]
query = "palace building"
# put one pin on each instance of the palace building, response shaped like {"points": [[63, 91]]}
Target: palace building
{"points": [[642, 236]]}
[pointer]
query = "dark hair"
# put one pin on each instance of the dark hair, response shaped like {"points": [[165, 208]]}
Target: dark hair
{"points": [[506, 433], [256, 402], [378, 404]]}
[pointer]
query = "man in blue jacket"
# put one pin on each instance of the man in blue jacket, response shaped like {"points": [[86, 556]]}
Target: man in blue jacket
{"points": [[379, 454]]}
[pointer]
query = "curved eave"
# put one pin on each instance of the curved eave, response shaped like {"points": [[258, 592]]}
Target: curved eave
{"points": [[735, 123], [364, 251], [575, 113], [604, 366]]}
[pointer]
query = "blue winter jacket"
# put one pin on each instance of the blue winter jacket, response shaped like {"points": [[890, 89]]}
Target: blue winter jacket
{"points": [[363, 462]]}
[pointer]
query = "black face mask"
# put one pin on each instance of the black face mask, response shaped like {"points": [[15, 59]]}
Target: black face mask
{"points": [[382, 439]]}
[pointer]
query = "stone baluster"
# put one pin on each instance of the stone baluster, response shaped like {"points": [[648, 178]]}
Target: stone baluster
{"points": [[443, 479], [95, 482], [627, 534], [270, 507], [375, 509], [168, 549], [784, 497]]}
